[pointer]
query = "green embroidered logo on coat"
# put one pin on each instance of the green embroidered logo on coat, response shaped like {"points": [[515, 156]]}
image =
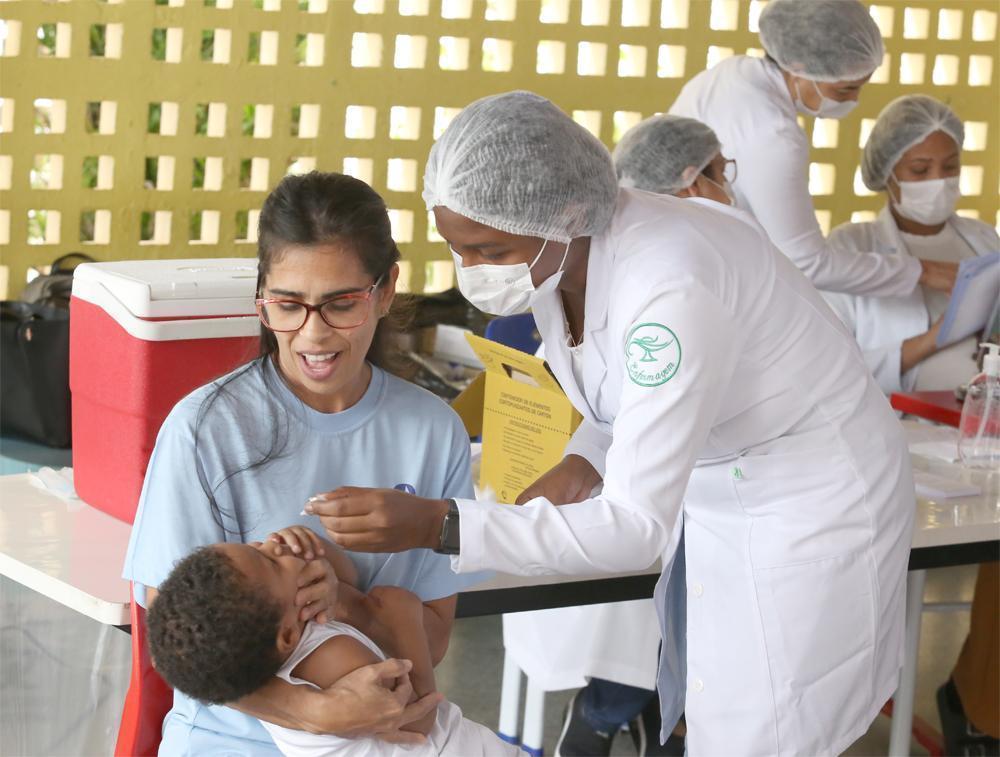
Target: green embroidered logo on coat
{"points": [[652, 354]]}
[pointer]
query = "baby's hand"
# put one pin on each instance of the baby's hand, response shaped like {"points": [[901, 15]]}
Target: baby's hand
{"points": [[303, 541]]}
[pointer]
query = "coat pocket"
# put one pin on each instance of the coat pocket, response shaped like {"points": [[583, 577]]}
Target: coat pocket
{"points": [[818, 620]]}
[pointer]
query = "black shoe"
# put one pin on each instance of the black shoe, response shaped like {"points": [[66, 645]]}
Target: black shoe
{"points": [[645, 731], [961, 738], [577, 738]]}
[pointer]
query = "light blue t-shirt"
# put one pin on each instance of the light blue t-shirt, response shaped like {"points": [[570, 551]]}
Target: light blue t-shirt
{"points": [[396, 434]]}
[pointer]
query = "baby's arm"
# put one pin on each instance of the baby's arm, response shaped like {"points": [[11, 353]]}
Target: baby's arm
{"points": [[337, 657], [402, 613], [399, 614], [334, 659]]}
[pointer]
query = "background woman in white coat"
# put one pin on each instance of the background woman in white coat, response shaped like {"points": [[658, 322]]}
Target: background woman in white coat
{"points": [[677, 156], [820, 54], [914, 155], [720, 393]]}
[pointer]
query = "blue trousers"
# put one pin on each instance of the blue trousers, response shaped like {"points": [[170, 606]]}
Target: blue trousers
{"points": [[606, 705]]}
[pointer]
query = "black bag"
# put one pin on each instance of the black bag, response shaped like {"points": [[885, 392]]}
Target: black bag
{"points": [[34, 358], [56, 286]]}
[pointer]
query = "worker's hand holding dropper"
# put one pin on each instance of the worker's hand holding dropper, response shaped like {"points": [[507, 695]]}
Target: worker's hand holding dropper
{"points": [[379, 520]]}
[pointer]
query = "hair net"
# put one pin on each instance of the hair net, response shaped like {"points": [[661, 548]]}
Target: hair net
{"points": [[517, 163], [904, 122], [664, 154], [822, 40]]}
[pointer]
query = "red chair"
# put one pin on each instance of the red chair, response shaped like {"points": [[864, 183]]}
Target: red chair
{"points": [[148, 699]]}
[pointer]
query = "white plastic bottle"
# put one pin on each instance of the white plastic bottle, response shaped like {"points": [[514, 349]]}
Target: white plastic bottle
{"points": [[979, 429]]}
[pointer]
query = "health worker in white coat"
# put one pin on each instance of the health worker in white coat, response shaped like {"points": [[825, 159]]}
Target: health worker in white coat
{"points": [[820, 53], [609, 642], [678, 156], [914, 155], [719, 393]]}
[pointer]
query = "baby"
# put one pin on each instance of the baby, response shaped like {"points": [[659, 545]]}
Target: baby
{"points": [[225, 621]]}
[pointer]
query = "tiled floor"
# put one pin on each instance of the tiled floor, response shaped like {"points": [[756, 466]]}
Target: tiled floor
{"points": [[50, 705]]}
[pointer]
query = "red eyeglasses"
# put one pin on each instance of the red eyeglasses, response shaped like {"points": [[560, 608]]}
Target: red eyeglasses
{"points": [[345, 311]]}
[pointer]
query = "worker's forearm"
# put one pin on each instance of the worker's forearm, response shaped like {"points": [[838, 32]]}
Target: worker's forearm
{"points": [[410, 643], [539, 538], [915, 350]]}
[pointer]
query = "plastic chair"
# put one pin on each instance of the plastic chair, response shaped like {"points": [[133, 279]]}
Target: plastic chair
{"points": [[148, 699], [517, 331]]}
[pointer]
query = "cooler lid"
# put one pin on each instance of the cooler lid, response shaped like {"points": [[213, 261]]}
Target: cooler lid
{"points": [[173, 288]]}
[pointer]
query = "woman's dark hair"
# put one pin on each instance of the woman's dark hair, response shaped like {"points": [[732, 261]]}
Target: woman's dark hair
{"points": [[313, 209], [211, 635]]}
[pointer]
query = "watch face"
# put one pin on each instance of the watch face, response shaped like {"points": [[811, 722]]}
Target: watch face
{"points": [[450, 532]]}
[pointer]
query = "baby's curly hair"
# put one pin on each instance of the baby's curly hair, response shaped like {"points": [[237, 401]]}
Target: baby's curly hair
{"points": [[210, 634]]}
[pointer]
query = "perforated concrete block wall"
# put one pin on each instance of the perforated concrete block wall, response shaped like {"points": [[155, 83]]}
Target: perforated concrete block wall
{"points": [[154, 128]]}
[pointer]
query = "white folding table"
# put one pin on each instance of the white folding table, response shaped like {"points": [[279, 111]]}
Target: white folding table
{"points": [[73, 554]]}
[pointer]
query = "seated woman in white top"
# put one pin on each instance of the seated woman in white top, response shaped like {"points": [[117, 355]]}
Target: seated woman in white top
{"points": [[914, 154]]}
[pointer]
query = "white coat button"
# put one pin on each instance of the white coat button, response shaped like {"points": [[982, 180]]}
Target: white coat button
{"points": [[698, 590], [699, 685]]}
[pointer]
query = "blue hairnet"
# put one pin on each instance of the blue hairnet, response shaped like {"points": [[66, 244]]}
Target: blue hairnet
{"points": [[822, 40], [517, 163], [664, 154], [904, 122]]}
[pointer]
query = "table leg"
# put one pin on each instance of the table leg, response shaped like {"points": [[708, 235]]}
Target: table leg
{"points": [[902, 711]]}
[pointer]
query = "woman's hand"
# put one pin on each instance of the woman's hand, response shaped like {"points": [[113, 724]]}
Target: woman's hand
{"points": [[303, 541], [379, 520], [372, 701], [570, 481], [936, 274]]}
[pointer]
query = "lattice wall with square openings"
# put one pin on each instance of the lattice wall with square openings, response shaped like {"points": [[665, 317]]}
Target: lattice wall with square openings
{"points": [[154, 128]]}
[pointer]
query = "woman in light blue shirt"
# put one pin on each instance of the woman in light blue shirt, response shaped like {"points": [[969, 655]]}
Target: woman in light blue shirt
{"points": [[237, 459]]}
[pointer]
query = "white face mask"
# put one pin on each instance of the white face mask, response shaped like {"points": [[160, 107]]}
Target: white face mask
{"points": [[929, 202], [828, 107], [503, 289]]}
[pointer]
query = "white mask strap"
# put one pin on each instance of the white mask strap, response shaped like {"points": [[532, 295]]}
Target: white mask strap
{"points": [[539, 255]]}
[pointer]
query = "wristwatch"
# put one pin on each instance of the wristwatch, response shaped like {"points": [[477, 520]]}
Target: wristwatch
{"points": [[449, 543]]}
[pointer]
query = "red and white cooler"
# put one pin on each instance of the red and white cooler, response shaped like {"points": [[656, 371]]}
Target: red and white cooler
{"points": [[143, 334]]}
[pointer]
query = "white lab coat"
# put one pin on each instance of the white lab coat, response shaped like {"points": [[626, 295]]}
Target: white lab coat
{"points": [[746, 102], [881, 324], [564, 647], [772, 444]]}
